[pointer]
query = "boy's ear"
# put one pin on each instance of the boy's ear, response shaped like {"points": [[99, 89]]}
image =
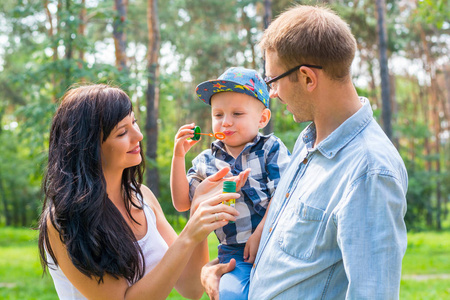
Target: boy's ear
{"points": [[265, 117]]}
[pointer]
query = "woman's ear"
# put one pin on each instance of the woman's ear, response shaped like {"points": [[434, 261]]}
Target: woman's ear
{"points": [[265, 117]]}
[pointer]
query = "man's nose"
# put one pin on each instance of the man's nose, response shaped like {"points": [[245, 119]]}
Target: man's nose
{"points": [[273, 93]]}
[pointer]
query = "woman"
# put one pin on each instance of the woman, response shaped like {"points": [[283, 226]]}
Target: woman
{"points": [[103, 235]]}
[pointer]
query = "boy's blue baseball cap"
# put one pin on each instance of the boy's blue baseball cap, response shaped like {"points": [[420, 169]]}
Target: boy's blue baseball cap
{"points": [[236, 79]]}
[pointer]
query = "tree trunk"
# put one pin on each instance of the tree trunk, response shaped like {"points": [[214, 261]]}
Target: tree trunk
{"points": [[6, 212], [433, 104], [415, 108], [82, 30], [3, 196], [23, 211], [68, 44], [52, 35], [120, 42], [246, 22], [447, 88], [267, 19], [384, 70], [16, 209], [372, 85], [423, 94], [446, 105], [152, 97], [394, 108], [437, 146]]}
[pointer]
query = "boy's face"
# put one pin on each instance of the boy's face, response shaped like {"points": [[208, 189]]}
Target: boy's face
{"points": [[239, 117]]}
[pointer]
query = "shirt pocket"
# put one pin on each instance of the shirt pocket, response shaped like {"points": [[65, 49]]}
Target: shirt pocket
{"points": [[300, 229], [255, 161]]}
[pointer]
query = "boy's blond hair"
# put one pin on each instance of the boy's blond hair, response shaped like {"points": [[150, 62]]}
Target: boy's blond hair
{"points": [[312, 35]]}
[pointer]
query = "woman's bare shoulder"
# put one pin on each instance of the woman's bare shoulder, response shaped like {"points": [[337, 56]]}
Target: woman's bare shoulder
{"points": [[164, 228], [150, 199]]}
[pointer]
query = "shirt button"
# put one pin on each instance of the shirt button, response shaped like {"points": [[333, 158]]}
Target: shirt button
{"points": [[254, 265], [270, 230], [287, 195], [305, 161]]}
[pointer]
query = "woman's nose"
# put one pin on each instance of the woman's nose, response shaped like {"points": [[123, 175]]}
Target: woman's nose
{"points": [[137, 133]]}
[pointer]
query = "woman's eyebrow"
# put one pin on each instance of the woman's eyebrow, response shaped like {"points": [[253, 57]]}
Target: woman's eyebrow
{"points": [[121, 126]]}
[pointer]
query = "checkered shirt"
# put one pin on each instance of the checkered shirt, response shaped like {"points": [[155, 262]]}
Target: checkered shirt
{"points": [[267, 157]]}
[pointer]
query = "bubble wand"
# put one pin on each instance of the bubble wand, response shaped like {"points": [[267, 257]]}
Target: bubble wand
{"points": [[197, 133]]}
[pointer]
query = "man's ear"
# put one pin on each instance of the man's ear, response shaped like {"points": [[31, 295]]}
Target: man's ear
{"points": [[265, 117], [310, 78]]}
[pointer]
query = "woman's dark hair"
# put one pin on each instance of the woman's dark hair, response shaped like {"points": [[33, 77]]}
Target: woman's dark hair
{"points": [[97, 237]]}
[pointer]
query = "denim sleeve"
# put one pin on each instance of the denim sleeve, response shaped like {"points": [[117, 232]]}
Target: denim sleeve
{"points": [[371, 234]]}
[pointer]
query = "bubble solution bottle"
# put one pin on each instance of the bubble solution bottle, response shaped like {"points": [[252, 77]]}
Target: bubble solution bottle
{"points": [[229, 187]]}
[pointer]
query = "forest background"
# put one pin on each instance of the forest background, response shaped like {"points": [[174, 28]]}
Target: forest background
{"points": [[158, 51]]}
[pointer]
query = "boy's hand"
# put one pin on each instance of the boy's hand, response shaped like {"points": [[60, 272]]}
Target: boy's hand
{"points": [[182, 144], [241, 179], [251, 247]]}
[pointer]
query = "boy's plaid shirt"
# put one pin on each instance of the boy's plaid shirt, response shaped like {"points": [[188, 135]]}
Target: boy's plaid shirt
{"points": [[267, 157]]}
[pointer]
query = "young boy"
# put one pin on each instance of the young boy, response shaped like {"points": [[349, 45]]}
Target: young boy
{"points": [[239, 107]]}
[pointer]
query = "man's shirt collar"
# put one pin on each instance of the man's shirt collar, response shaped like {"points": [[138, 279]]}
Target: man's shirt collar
{"points": [[342, 135]]}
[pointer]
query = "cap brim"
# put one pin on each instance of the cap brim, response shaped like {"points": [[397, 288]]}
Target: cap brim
{"points": [[207, 89]]}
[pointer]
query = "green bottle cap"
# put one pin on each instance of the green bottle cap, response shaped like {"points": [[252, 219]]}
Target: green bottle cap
{"points": [[197, 136], [229, 187]]}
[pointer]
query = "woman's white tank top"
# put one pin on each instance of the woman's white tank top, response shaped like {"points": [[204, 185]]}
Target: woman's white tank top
{"points": [[153, 247]]}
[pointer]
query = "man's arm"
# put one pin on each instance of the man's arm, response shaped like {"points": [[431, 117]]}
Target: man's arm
{"points": [[371, 234]]}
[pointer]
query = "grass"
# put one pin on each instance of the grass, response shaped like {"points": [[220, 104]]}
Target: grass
{"points": [[20, 271], [427, 255]]}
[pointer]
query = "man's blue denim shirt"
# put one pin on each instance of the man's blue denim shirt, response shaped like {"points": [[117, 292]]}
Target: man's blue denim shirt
{"points": [[335, 228]]}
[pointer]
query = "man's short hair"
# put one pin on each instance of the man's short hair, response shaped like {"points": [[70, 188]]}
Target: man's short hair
{"points": [[312, 35]]}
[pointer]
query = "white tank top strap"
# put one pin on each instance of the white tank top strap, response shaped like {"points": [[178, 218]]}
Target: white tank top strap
{"points": [[153, 245]]}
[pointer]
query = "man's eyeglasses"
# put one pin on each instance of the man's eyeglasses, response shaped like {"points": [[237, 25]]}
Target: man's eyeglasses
{"points": [[269, 80]]}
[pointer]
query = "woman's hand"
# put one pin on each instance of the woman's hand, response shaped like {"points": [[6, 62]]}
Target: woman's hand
{"points": [[207, 211], [213, 185], [210, 215], [182, 144]]}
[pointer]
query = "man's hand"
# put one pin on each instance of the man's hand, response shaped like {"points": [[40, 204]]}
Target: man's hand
{"points": [[210, 276]]}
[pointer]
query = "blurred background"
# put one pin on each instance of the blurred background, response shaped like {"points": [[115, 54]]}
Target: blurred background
{"points": [[158, 51]]}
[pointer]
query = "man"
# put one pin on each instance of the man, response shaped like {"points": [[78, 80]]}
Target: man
{"points": [[335, 227]]}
